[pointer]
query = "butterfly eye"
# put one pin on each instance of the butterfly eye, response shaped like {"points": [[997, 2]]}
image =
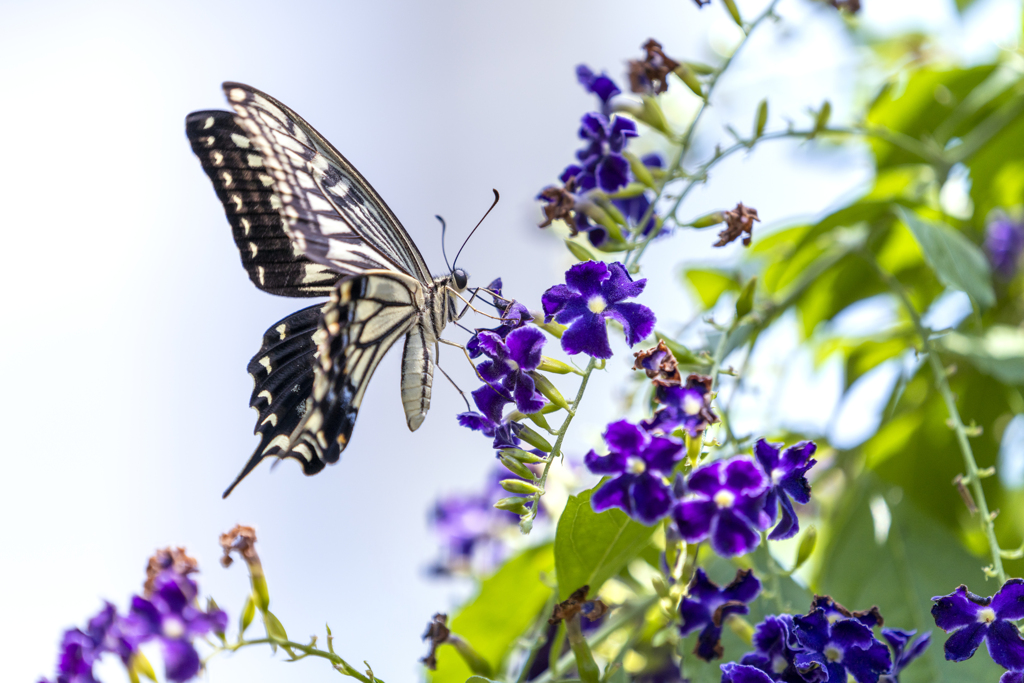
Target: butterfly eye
{"points": [[461, 278]]}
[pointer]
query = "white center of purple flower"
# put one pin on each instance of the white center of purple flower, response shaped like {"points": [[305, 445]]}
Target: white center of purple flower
{"points": [[986, 615], [635, 465], [173, 628], [597, 304], [777, 475], [725, 498], [513, 366], [833, 653], [692, 404], [779, 664]]}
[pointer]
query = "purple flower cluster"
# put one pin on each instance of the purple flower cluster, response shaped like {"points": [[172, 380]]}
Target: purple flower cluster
{"points": [[1004, 243], [167, 612], [728, 502], [829, 643], [971, 619]]}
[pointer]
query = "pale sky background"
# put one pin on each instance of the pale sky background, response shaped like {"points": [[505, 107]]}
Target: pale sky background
{"points": [[130, 319]]}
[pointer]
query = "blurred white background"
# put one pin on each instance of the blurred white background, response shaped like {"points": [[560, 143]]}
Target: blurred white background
{"points": [[130, 320]]}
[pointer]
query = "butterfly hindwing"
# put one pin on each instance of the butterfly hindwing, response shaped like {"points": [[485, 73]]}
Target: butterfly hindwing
{"points": [[331, 212], [244, 187]]}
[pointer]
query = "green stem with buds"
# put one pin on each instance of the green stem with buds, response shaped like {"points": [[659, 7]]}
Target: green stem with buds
{"points": [[340, 664]]}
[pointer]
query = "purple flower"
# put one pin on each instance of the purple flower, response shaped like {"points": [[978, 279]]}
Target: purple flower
{"points": [[1004, 242], [511, 362], [839, 647], [78, 653], [788, 475], [741, 673], [775, 649], [593, 292], [513, 316], [971, 619], [706, 606], [902, 655], [601, 162], [686, 406], [171, 616], [599, 85], [491, 402], [724, 501], [641, 462]]}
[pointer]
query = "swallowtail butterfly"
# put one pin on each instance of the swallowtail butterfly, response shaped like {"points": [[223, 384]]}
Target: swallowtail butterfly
{"points": [[308, 224]]}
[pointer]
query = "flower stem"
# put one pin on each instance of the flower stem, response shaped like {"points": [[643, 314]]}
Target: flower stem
{"points": [[340, 664], [526, 523], [942, 384]]}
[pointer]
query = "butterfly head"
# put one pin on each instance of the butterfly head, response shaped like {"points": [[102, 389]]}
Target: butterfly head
{"points": [[460, 279]]}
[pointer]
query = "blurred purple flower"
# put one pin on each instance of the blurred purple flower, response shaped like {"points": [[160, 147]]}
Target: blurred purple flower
{"points": [[706, 606], [903, 653], [638, 464], [598, 84], [686, 406], [1004, 242], [602, 165], [788, 476], [593, 292]]}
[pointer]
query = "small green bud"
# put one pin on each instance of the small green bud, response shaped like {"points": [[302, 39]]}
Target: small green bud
{"points": [[140, 665], [700, 68], [248, 612], [599, 215], [741, 627], [632, 189], [549, 391], [512, 504], [519, 486], [653, 116], [555, 366], [516, 467], [807, 543], [745, 302], [693, 447], [580, 251], [689, 77], [708, 220], [660, 587], [539, 420], [259, 587], [534, 439], [734, 12], [640, 172], [521, 455], [552, 328], [762, 119], [609, 208], [275, 629], [821, 120], [477, 664]]}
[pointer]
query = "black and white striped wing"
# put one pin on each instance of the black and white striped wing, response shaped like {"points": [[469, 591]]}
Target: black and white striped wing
{"points": [[366, 315], [245, 188], [331, 213]]}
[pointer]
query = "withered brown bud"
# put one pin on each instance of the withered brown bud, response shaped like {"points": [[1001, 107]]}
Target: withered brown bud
{"points": [[570, 607], [851, 6], [242, 540], [650, 75], [701, 3], [167, 558], [560, 205], [659, 364], [739, 221], [437, 633]]}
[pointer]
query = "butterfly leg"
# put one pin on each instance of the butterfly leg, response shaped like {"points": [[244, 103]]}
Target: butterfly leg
{"points": [[471, 306], [450, 380]]}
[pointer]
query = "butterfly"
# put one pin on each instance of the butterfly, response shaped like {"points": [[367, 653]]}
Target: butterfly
{"points": [[308, 224]]}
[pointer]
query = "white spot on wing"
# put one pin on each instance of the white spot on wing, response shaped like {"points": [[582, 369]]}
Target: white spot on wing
{"points": [[241, 140], [208, 123], [236, 95], [282, 330]]}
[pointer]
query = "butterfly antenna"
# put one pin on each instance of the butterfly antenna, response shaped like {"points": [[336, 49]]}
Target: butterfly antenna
{"points": [[496, 198], [444, 229]]}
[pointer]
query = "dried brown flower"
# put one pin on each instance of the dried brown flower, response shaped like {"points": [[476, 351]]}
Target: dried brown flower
{"points": [[560, 205], [701, 3], [437, 633], [739, 221], [659, 364], [241, 539], [851, 6], [650, 75], [167, 558]]}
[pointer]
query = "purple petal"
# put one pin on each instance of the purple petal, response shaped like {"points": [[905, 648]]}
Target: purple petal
{"points": [[637, 320], [588, 335], [651, 499], [744, 476], [706, 479], [528, 400], [614, 493], [476, 422], [653, 160], [572, 310], [586, 278], [593, 126], [613, 463], [1012, 677], [694, 615], [741, 673], [796, 485], [694, 518], [850, 633], [625, 437], [1008, 602], [492, 345], [797, 455], [491, 402], [524, 346], [1005, 645], [555, 299], [612, 173], [867, 663], [963, 643], [620, 285], [708, 643], [180, 659], [662, 454], [704, 590], [493, 370], [744, 588], [732, 536], [954, 610], [812, 630], [788, 525], [767, 455]]}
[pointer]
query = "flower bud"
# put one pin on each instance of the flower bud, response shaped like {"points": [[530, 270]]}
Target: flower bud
{"points": [[539, 420], [745, 302], [139, 665], [762, 119], [534, 439], [807, 543], [741, 627], [275, 629], [821, 120], [514, 504], [554, 366], [700, 68], [640, 172], [521, 455], [653, 116], [660, 587], [693, 447], [580, 251], [519, 486], [549, 391], [552, 328], [734, 12], [688, 77], [599, 215], [708, 220], [248, 612], [516, 467]]}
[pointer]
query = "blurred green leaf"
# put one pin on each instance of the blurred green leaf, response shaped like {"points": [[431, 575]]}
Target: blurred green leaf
{"points": [[916, 560], [592, 547], [997, 172], [710, 284], [507, 604], [479, 679], [957, 261], [999, 353], [964, 4]]}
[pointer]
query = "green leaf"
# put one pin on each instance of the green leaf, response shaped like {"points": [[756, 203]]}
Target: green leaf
{"points": [[591, 547], [956, 260], [479, 679], [275, 629], [762, 119], [710, 284], [745, 302], [916, 560], [1000, 353], [506, 606]]}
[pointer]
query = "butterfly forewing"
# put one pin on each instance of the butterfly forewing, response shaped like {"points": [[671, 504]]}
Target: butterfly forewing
{"points": [[245, 189]]}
